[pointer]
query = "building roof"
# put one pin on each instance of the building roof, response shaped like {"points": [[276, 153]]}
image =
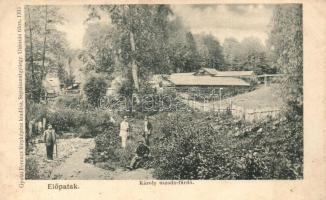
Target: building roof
{"points": [[188, 79], [214, 72], [234, 73]]}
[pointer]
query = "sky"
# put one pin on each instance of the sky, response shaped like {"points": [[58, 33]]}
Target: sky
{"points": [[74, 26], [222, 21]]}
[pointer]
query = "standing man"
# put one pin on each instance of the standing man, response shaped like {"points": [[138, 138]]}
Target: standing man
{"points": [[147, 130], [50, 140], [124, 128]]}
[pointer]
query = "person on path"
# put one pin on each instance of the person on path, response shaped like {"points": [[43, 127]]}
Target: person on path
{"points": [[124, 129], [147, 130], [50, 141], [142, 152]]}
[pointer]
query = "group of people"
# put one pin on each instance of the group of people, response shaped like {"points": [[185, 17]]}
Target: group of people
{"points": [[142, 150], [124, 131]]}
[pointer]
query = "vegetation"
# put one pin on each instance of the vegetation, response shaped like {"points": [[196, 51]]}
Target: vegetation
{"points": [[286, 39], [31, 169], [46, 47], [197, 146], [95, 89], [144, 40]]}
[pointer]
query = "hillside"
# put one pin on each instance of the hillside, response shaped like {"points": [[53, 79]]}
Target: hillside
{"points": [[263, 97]]}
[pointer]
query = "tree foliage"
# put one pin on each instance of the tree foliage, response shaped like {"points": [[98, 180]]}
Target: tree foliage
{"points": [[286, 39], [46, 46], [99, 48], [249, 54], [142, 37], [95, 89], [211, 52]]}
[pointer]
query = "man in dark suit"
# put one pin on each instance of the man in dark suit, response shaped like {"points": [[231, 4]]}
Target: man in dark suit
{"points": [[142, 152], [148, 127], [50, 140]]}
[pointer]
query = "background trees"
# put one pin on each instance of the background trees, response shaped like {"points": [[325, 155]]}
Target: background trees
{"points": [[211, 52], [46, 46], [182, 49], [248, 54], [141, 37], [99, 48]]}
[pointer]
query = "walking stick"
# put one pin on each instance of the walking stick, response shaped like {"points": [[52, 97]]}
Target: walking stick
{"points": [[56, 150]]}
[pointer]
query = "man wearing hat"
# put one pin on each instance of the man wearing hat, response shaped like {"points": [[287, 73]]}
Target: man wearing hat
{"points": [[50, 140], [142, 152], [148, 127]]}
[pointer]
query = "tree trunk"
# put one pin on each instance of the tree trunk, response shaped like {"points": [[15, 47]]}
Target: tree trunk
{"points": [[44, 41], [31, 52], [134, 67]]}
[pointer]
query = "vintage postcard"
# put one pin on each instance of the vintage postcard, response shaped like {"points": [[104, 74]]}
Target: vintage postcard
{"points": [[137, 100]]}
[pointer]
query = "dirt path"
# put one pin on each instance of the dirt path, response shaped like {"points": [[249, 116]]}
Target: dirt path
{"points": [[75, 168]]}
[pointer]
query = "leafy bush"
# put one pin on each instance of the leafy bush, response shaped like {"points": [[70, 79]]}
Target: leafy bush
{"points": [[95, 89], [31, 169], [108, 146], [63, 119], [195, 146], [85, 123], [69, 101], [84, 132]]}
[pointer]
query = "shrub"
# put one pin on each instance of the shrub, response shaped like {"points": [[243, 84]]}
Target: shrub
{"points": [[64, 120], [31, 169], [95, 89], [84, 132], [69, 101], [198, 146], [107, 146], [85, 123]]}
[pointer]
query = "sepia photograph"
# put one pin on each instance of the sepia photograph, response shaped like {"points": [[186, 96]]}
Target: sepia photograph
{"points": [[163, 92]]}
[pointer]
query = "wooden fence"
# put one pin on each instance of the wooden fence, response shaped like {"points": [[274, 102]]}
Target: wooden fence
{"points": [[239, 112], [252, 115]]}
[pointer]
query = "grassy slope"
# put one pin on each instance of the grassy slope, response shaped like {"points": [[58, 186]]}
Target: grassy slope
{"points": [[260, 98]]}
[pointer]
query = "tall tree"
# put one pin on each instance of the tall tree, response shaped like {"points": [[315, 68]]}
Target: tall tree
{"points": [[44, 41], [31, 54], [191, 54], [231, 50], [249, 54], [45, 46], [286, 39], [142, 36], [99, 48], [211, 52]]}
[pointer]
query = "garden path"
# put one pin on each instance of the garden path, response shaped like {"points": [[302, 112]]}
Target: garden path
{"points": [[74, 168]]}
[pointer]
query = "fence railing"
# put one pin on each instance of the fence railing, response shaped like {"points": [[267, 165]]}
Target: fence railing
{"points": [[255, 114]]}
